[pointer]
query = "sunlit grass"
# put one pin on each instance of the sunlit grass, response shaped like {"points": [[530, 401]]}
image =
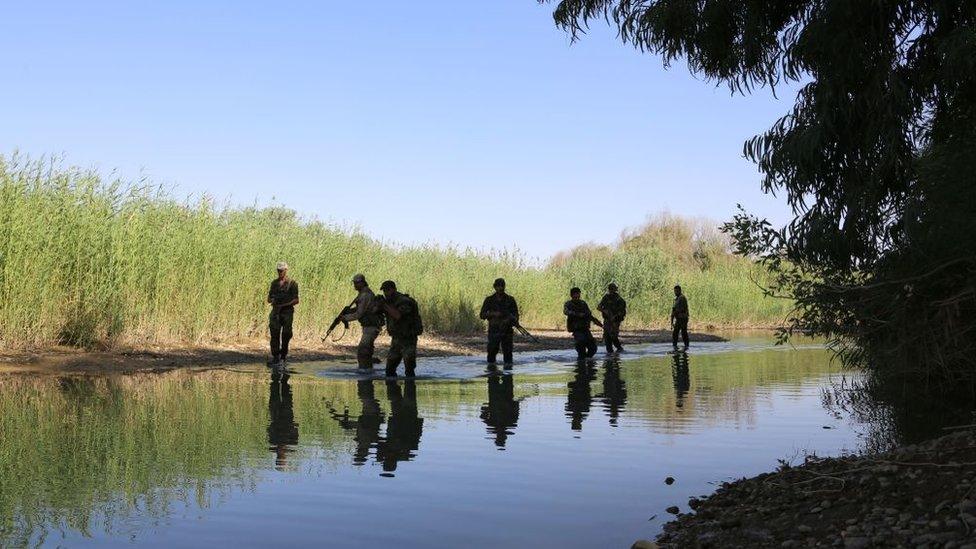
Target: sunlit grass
{"points": [[85, 262]]}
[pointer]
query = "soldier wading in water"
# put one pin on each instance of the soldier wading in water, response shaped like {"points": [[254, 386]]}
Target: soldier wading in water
{"points": [[614, 309], [403, 323], [283, 296], [501, 312], [366, 310], [578, 319], [679, 318]]}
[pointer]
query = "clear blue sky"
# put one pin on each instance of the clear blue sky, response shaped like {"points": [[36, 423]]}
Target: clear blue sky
{"points": [[472, 122]]}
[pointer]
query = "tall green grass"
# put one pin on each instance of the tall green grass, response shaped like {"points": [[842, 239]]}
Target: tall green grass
{"points": [[87, 261]]}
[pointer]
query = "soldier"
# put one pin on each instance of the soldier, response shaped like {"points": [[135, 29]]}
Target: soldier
{"points": [[501, 312], [614, 309], [679, 318], [578, 318], [370, 320], [404, 325], [283, 296]]}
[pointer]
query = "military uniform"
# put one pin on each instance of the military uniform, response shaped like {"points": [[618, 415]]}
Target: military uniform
{"points": [[404, 332], [280, 319], [679, 312], [500, 326], [614, 309], [370, 320], [578, 317]]}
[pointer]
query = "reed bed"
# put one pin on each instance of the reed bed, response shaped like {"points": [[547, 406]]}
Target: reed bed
{"points": [[88, 261]]}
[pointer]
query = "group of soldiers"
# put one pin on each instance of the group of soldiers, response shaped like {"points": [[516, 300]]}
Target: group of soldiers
{"points": [[401, 315]]}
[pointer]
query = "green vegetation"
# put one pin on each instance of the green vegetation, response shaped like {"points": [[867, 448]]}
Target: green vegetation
{"points": [[86, 262], [875, 158]]}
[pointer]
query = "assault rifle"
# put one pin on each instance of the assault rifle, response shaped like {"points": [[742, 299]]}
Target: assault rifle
{"points": [[518, 328], [338, 319]]}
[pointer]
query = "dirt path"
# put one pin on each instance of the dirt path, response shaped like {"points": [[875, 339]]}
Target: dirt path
{"points": [[71, 360]]}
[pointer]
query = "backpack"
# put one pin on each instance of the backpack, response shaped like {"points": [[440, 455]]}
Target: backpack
{"points": [[415, 323]]}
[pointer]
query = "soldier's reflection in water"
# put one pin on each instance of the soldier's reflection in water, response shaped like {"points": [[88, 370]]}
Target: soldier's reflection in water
{"points": [[614, 395], [367, 425], [579, 396], [501, 412], [282, 429], [679, 374], [404, 428]]}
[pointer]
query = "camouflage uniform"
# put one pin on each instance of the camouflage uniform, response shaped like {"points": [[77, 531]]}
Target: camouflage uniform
{"points": [[614, 309], [370, 320], [500, 327], [679, 312], [578, 318], [404, 332], [280, 319]]}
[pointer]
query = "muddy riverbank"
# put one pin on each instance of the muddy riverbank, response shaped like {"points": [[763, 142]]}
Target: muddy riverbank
{"points": [[150, 357], [921, 495]]}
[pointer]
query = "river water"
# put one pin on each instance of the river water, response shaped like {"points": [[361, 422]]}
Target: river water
{"points": [[552, 453]]}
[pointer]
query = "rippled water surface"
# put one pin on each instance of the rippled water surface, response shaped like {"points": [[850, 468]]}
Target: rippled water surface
{"points": [[551, 453]]}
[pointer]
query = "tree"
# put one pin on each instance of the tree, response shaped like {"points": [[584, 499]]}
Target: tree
{"points": [[876, 160]]}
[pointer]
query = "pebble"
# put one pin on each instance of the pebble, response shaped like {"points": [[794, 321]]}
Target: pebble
{"points": [[644, 544], [804, 529], [856, 543], [673, 510], [669, 481]]}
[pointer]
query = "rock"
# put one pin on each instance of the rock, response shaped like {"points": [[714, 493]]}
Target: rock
{"points": [[669, 481], [966, 506], [856, 543], [816, 510], [733, 522], [644, 544], [804, 529], [789, 543], [673, 510], [825, 504], [694, 504]]}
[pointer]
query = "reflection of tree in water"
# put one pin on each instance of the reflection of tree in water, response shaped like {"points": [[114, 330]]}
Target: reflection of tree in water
{"points": [[282, 429], [614, 395], [680, 376], [891, 416], [403, 426], [367, 426], [580, 395], [501, 412]]}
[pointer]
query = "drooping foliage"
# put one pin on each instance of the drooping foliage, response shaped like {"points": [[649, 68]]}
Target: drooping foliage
{"points": [[876, 159]]}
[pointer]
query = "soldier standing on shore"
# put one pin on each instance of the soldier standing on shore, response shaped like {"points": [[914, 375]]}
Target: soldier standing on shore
{"points": [[403, 323], [283, 296], [370, 320], [679, 318], [501, 312], [578, 319], [614, 309]]}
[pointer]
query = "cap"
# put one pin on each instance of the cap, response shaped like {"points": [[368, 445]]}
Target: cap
{"points": [[282, 266], [388, 285], [358, 278], [499, 282], [611, 286]]}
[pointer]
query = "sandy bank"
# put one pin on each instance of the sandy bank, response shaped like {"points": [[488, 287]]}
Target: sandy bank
{"points": [[130, 359]]}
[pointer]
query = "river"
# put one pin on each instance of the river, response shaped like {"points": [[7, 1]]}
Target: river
{"points": [[552, 453]]}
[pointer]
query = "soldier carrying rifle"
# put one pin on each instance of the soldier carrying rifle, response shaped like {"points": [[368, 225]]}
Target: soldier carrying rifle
{"points": [[501, 312], [614, 309], [365, 310], [283, 296]]}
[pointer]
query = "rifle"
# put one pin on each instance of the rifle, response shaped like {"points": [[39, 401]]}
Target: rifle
{"points": [[595, 321], [338, 319], [518, 327]]}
